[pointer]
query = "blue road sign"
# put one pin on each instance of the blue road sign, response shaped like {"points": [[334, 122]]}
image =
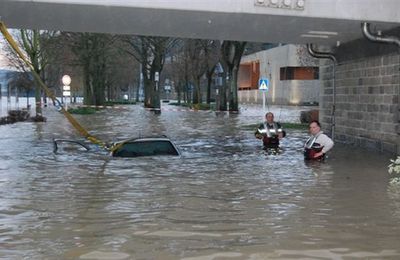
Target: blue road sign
{"points": [[263, 84]]}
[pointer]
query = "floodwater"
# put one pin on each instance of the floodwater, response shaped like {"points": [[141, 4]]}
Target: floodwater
{"points": [[224, 198]]}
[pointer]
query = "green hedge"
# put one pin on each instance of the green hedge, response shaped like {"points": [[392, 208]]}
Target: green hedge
{"points": [[119, 102], [298, 126], [201, 106], [82, 110]]}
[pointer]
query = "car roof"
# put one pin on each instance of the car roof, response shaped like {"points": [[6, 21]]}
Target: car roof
{"points": [[148, 146], [146, 139]]}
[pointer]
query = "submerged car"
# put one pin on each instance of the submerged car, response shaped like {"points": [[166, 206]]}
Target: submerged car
{"points": [[150, 146], [135, 147]]}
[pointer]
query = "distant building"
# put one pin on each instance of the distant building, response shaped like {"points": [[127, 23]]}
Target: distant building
{"points": [[15, 83], [5, 77], [293, 76]]}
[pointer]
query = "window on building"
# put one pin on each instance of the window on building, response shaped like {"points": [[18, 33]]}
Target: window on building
{"points": [[249, 74], [299, 73]]}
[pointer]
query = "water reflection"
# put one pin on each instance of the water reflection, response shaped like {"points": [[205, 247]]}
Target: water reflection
{"points": [[225, 198]]}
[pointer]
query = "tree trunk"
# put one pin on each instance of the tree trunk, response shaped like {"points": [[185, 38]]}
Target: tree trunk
{"points": [[27, 97], [233, 89], [138, 89], [148, 92], [38, 99], [179, 92], [222, 94], [209, 82], [232, 52], [88, 88], [197, 92], [155, 98], [109, 93]]}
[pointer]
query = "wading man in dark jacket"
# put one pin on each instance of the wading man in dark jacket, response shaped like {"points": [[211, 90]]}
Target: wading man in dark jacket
{"points": [[270, 132]]}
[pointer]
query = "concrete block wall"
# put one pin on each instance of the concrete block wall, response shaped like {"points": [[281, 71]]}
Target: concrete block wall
{"points": [[367, 100]]}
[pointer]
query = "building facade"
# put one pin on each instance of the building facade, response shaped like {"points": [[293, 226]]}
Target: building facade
{"points": [[293, 76]]}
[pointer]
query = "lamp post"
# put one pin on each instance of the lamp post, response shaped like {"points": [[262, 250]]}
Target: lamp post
{"points": [[66, 80], [156, 98], [156, 79]]}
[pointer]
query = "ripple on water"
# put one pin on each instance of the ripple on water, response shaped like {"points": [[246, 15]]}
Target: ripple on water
{"points": [[101, 255]]}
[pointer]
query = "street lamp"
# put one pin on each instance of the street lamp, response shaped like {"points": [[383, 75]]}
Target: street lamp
{"points": [[156, 98], [66, 80]]}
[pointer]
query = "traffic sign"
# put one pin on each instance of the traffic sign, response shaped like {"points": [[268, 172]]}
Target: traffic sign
{"points": [[263, 84]]}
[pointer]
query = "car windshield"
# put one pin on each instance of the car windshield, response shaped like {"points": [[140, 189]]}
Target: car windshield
{"points": [[146, 148]]}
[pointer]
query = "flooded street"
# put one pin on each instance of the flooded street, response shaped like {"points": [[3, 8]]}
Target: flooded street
{"points": [[224, 198]]}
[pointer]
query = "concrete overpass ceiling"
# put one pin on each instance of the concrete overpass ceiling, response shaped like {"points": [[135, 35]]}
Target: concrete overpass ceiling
{"points": [[316, 21]]}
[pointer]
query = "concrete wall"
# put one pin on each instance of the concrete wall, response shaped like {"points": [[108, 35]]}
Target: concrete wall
{"points": [[367, 95], [282, 92]]}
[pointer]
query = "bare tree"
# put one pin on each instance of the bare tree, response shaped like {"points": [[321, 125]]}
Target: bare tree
{"points": [[150, 52], [197, 63], [212, 55], [37, 47], [192, 60], [122, 75], [177, 70], [94, 53], [231, 54]]}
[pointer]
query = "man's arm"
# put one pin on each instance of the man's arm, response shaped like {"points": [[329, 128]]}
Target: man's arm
{"points": [[327, 144], [281, 132], [257, 133]]}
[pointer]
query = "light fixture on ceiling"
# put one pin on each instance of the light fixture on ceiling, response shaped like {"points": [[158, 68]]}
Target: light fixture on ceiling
{"points": [[323, 32], [287, 3], [319, 34], [314, 36], [260, 1], [273, 3], [300, 3]]}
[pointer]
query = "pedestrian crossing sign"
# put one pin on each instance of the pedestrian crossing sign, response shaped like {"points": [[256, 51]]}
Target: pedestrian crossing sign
{"points": [[263, 84]]}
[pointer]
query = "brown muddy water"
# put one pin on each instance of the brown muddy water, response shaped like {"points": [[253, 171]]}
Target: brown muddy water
{"points": [[224, 198]]}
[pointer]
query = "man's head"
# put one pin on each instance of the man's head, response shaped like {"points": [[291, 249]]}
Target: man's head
{"points": [[315, 127], [269, 117]]}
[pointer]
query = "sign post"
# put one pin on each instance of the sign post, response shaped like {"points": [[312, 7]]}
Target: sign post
{"points": [[263, 87], [156, 98]]}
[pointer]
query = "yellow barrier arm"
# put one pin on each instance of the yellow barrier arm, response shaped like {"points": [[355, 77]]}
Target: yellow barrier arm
{"points": [[70, 118]]}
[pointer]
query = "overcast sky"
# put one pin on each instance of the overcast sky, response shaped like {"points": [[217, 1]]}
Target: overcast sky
{"points": [[2, 59]]}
